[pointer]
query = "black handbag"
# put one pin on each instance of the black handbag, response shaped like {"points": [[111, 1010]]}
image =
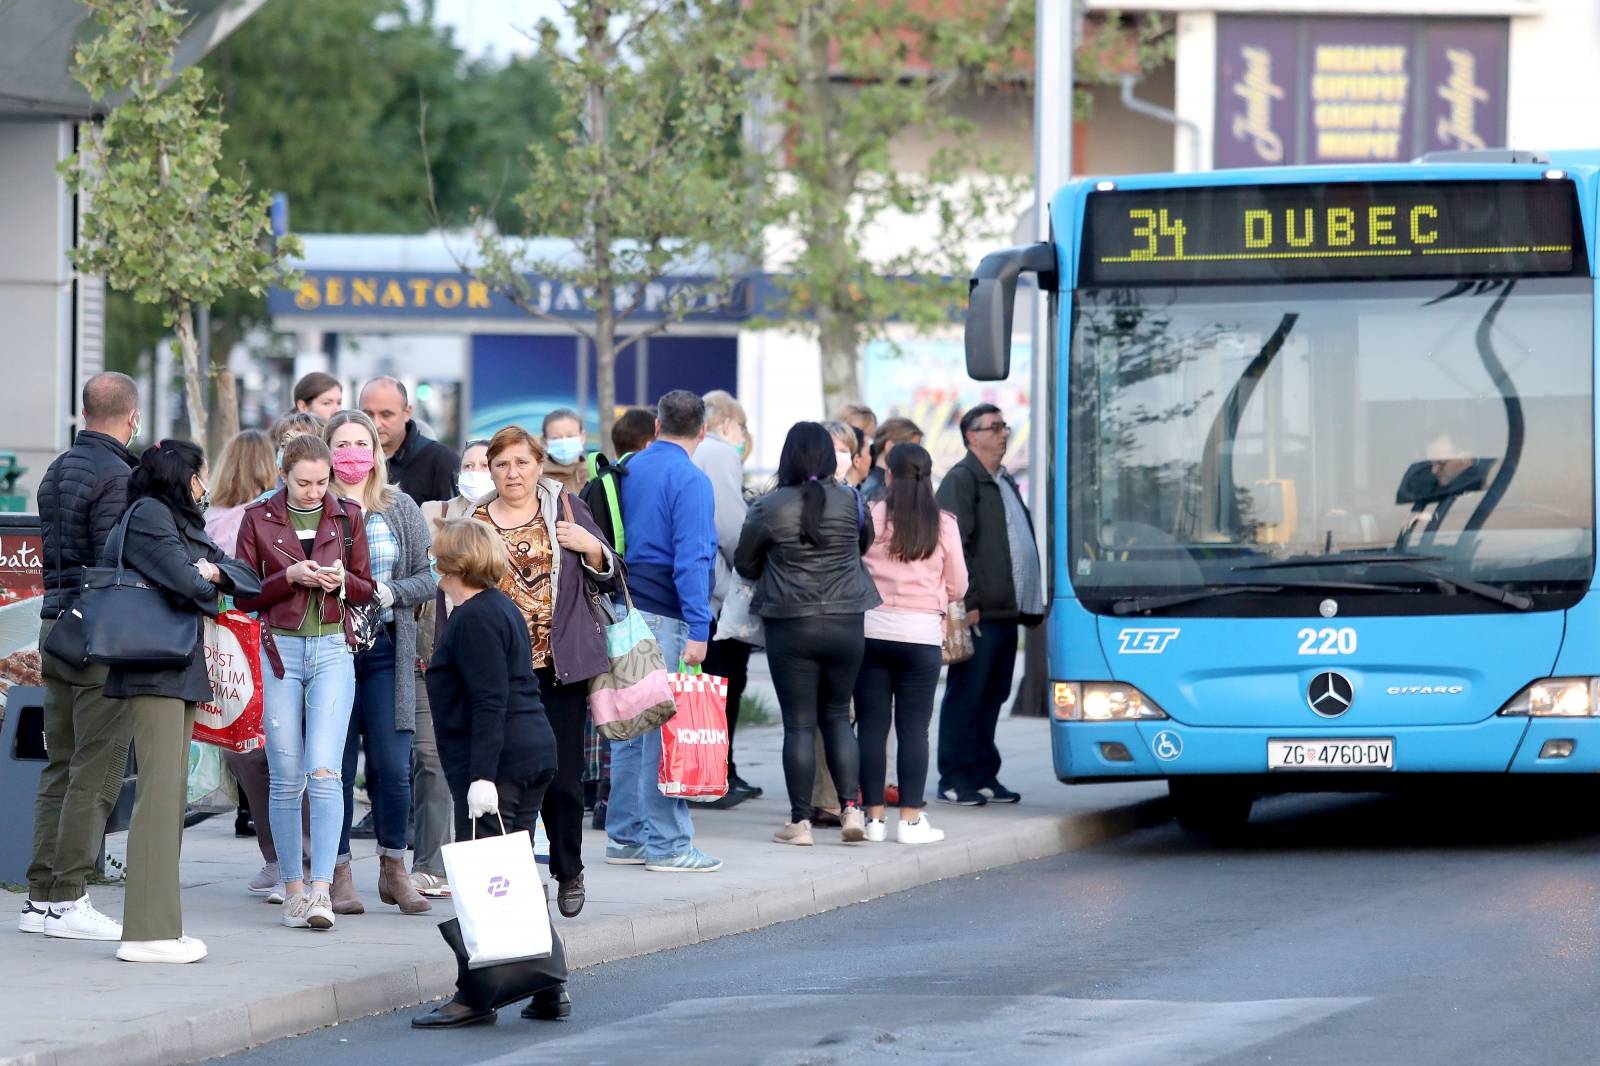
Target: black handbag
{"points": [[129, 622], [65, 641], [361, 624], [492, 987]]}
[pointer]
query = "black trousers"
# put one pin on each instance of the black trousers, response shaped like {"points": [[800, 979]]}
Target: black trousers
{"points": [[973, 693], [730, 659], [896, 684], [565, 706], [814, 663]]}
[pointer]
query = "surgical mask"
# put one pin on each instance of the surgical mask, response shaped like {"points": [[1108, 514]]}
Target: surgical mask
{"points": [[433, 568], [842, 463], [352, 464], [475, 484], [565, 450], [739, 448]]}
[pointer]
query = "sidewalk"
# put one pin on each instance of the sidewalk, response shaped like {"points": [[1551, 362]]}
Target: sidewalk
{"points": [[70, 1002]]}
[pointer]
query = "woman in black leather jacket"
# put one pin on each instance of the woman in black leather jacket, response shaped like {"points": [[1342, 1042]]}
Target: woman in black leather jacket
{"points": [[802, 545]]}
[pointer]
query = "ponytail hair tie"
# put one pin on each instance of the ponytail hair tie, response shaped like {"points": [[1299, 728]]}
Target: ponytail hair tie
{"points": [[813, 477]]}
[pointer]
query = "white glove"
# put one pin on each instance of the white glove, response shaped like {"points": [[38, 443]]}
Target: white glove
{"points": [[482, 798], [385, 596]]}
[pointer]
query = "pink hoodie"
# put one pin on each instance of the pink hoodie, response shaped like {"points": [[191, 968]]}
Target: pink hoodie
{"points": [[915, 594]]}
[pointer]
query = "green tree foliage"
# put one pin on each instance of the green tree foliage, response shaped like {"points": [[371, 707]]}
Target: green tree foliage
{"points": [[166, 224], [642, 178], [845, 79], [322, 102]]}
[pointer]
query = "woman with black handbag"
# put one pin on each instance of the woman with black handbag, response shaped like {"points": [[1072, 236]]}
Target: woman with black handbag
{"points": [[385, 712], [163, 537]]}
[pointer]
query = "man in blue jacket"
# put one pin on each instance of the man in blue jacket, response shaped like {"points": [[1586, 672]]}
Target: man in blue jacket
{"points": [[668, 517]]}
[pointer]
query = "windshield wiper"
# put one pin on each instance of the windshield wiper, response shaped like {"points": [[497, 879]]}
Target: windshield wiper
{"points": [[1418, 563], [1135, 604]]}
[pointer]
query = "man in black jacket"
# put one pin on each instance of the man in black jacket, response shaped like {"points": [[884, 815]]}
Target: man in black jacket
{"points": [[422, 467], [81, 498], [1005, 588]]}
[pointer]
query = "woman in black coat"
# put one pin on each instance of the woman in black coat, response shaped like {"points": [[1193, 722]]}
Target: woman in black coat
{"points": [[163, 536], [495, 744]]}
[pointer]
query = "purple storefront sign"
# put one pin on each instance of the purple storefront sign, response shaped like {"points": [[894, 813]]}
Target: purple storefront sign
{"points": [[1256, 92], [1465, 99], [1359, 91], [1355, 90]]}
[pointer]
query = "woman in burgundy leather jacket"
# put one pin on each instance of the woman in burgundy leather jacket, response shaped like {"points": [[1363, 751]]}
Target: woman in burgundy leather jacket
{"points": [[310, 549]]}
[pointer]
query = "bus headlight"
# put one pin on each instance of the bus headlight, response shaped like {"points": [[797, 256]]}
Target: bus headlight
{"points": [[1557, 697], [1100, 701]]}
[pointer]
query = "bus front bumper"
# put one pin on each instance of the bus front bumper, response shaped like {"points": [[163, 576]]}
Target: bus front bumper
{"points": [[1111, 751]]}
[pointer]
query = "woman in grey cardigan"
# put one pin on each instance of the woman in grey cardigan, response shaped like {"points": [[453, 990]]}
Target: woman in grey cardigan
{"points": [[386, 698]]}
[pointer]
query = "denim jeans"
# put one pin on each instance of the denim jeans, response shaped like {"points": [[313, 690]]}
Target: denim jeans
{"points": [[973, 693], [388, 752], [306, 720], [637, 813]]}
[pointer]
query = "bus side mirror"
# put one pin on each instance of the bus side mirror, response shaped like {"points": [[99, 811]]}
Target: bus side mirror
{"points": [[992, 301]]}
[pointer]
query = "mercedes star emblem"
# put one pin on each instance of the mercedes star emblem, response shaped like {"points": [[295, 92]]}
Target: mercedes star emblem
{"points": [[1330, 694]]}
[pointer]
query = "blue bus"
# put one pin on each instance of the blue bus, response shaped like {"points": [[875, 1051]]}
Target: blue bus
{"points": [[1322, 474]]}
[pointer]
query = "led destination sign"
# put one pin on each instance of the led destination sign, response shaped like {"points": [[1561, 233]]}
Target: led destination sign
{"points": [[1365, 230]]}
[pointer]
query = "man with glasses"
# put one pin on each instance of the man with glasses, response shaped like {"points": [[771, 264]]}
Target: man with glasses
{"points": [[1006, 589]]}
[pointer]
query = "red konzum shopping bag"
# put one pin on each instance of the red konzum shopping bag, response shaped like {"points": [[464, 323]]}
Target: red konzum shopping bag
{"points": [[694, 742], [232, 719]]}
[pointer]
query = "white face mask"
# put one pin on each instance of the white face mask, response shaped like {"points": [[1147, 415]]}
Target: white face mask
{"points": [[475, 484], [842, 463]]}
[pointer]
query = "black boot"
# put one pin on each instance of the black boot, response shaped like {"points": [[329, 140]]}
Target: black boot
{"points": [[549, 1004], [451, 1015]]}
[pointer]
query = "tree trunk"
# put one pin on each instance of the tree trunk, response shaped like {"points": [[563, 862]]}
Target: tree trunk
{"points": [[194, 384], [597, 120], [226, 424], [839, 336]]}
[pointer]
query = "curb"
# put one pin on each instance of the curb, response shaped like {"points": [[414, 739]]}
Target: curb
{"points": [[228, 1030]]}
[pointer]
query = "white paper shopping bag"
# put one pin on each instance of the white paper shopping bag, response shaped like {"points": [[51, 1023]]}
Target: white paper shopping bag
{"points": [[499, 899]]}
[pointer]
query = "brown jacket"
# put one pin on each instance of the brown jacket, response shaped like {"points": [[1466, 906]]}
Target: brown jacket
{"points": [[269, 546]]}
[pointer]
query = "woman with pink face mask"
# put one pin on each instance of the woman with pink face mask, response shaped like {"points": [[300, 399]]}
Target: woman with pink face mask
{"points": [[384, 715]]}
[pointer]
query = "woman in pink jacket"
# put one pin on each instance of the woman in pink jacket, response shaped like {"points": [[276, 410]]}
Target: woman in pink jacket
{"points": [[917, 564]]}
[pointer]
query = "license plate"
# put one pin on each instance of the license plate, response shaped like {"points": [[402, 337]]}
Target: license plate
{"points": [[1354, 753]]}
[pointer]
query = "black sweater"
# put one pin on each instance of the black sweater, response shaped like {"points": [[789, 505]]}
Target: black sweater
{"points": [[487, 714]]}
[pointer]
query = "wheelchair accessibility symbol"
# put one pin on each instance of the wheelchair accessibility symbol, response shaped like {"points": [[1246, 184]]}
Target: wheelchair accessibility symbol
{"points": [[1167, 745]]}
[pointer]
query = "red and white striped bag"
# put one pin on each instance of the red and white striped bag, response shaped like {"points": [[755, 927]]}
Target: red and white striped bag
{"points": [[694, 742]]}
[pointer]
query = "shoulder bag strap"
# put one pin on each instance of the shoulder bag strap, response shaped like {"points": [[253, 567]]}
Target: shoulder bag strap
{"points": [[614, 505]]}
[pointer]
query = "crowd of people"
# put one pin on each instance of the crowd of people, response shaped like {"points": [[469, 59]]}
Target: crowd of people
{"points": [[432, 613]]}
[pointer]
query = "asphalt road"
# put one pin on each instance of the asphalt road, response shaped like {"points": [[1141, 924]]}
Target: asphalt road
{"points": [[1460, 929]]}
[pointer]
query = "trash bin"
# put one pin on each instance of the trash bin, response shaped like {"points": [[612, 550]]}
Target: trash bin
{"points": [[10, 471]]}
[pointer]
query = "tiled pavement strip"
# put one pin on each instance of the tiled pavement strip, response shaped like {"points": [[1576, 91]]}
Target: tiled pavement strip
{"points": [[71, 1002]]}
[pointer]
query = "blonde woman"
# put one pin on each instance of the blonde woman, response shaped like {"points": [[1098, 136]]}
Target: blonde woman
{"points": [[384, 715]]}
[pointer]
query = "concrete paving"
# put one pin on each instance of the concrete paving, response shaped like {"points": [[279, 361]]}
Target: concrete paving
{"points": [[72, 1002]]}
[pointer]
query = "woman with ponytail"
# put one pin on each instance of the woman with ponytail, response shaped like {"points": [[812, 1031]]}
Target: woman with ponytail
{"points": [[802, 545], [918, 567]]}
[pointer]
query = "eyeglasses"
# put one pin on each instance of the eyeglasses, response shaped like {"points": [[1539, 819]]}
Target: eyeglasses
{"points": [[997, 427]]}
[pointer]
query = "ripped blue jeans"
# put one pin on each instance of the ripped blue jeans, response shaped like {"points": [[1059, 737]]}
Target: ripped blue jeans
{"points": [[306, 718]]}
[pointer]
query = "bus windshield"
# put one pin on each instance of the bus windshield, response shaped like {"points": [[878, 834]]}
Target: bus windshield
{"points": [[1216, 429]]}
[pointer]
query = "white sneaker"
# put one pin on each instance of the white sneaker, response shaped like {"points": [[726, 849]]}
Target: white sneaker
{"points": [[31, 920], [182, 950], [268, 877], [320, 914], [81, 922], [277, 894], [297, 911], [877, 830], [920, 831]]}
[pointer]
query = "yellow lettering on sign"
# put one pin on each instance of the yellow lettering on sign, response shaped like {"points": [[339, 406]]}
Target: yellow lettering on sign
{"points": [[1258, 229], [1341, 227], [477, 294], [1308, 235], [448, 293], [392, 296], [307, 297], [335, 297], [1380, 224], [363, 292], [1418, 213], [419, 291]]}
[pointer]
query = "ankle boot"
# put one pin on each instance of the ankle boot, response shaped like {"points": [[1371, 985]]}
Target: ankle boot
{"points": [[343, 892], [395, 887]]}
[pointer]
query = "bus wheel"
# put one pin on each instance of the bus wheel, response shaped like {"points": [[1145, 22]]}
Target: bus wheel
{"points": [[1209, 808]]}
